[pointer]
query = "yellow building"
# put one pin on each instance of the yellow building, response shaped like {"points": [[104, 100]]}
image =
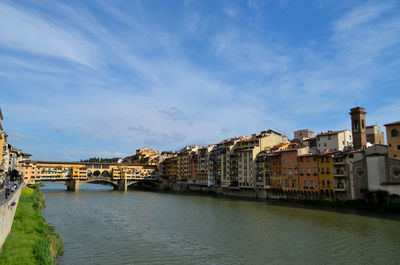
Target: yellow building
{"points": [[325, 175], [393, 139], [143, 156], [3, 142], [1, 118], [183, 166]]}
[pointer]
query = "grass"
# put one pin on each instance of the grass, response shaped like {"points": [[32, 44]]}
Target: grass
{"points": [[31, 240]]}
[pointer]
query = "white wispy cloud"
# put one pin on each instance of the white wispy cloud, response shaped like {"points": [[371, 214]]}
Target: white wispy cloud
{"points": [[21, 30], [140, 86]]}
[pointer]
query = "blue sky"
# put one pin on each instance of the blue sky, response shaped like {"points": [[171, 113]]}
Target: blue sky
{"points": [[103, 78]]}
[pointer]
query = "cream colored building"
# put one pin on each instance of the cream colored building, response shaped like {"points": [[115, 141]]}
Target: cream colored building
{"points": [[334, 141], [375, 135], [238, 165]]}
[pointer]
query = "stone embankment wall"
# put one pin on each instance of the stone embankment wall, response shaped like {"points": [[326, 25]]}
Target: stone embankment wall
{"points": [[7, 212], [242, 193], [250, 193]]}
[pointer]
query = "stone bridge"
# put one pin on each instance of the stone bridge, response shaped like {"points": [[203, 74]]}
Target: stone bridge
{"points": [[118, 184], [75, 174]]}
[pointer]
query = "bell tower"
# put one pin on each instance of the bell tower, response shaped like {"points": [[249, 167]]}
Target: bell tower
{"points": [[358, 127]]}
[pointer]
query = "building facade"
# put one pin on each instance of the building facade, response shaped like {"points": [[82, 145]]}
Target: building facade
{"points": [[375, 135], [303, 134], [334, 141], [393, 139]]}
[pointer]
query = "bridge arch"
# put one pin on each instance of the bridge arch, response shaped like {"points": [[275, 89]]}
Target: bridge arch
{"points": [[105, 173], [99, 181], [96, 173]]}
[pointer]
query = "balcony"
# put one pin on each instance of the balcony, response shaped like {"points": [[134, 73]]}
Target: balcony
{"points": [[339, 173], [338, 162]]}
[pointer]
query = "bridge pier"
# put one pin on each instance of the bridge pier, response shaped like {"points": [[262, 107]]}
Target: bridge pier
{"points": [[73, 185], [122, 185]]}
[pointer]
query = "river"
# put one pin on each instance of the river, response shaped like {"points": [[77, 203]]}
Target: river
{"points": [[102, 226]]}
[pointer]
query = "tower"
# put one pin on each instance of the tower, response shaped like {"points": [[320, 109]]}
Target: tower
{"points": [[358, 127]]}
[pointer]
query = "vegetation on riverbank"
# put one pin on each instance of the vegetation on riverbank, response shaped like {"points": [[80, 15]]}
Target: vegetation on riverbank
{"points": [[31, 240], [387, 207]]}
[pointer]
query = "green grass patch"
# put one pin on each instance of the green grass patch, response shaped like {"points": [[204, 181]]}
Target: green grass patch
{"points": [[31, 240]]}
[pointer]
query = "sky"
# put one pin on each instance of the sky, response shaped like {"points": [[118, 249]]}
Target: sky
{"points": [[103, 78]]}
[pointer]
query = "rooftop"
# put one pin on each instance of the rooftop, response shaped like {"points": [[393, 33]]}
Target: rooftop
{"points": [[330, 133], [393, 123]]}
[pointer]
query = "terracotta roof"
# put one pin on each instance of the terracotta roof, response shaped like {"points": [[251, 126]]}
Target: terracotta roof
{"points": [[393, 123], [245, 150]]}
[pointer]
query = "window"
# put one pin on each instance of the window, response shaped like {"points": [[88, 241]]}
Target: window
{"points": [[312, 184], [394, 133], [398, 147], [308, 171], [315, 170], [306, 184], [328, 183], [323, 183], [301, 171], [362, 124], [308, 159], [293, 183], [300, 159], [286, 183]]}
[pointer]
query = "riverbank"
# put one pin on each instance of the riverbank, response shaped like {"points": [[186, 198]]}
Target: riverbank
{"points": [[361, 206], [31, 240]]}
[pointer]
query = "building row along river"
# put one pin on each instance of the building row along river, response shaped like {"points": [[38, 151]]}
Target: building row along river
{"points": [[333, 165]]}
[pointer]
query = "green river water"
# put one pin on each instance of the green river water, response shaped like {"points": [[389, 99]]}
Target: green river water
{"points": [[102, 226]]}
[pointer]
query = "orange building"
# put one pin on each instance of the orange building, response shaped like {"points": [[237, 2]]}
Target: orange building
{"points": [[170, 168], [290, 169], [308, 172], [273, 167]]}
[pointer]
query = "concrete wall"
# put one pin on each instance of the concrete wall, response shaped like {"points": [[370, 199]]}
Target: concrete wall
{"points": [[7, 212]]}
